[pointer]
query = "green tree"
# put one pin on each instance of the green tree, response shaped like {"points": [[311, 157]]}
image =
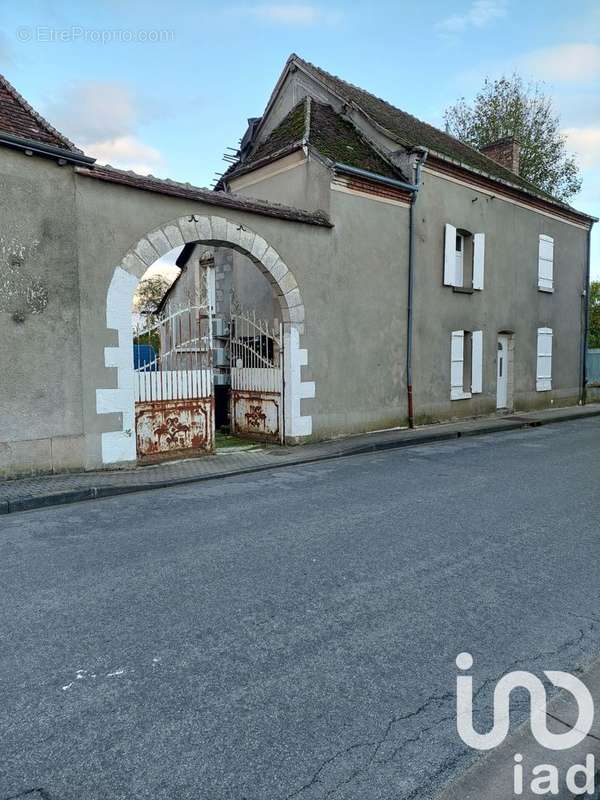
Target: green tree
{"points": [[150, 292], [594, 326], [509, 107]]}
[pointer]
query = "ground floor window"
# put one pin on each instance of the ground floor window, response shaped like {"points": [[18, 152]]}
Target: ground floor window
{"points": [[543, 380], [466, 364]]}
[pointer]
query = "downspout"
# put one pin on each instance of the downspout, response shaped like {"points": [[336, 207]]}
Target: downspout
{"points": [[421, 158], [586, 323]]}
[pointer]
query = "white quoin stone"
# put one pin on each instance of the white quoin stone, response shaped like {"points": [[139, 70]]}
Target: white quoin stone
{"points": [[247, 238], [219, 228], [174, 236], [118, 446], [293, 299], [279, 271], [270, 258], [159, 241], [204, 228], [287, 284], [187, 226], [134, 265], [296, 357], [259, 248], [146, 252], [234, 233]]}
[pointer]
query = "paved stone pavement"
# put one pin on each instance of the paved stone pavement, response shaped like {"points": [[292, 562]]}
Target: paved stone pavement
{"points": [[292, 633], [46, 490]]}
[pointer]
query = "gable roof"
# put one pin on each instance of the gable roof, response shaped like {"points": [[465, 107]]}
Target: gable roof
{"points": [[411, 132], [18, 118], [320, 127]]}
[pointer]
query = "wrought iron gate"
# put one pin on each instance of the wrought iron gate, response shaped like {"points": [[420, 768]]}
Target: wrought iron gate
{"points": [[173, 383], [256, 359]]}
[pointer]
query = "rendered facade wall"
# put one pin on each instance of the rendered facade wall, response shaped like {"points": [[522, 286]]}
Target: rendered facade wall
{"points": [[40, 358], [63, 369], [510, 301]]}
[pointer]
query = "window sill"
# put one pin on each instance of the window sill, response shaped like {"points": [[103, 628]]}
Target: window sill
{"points": [[463, 396], [462, 290], [544, 289]]}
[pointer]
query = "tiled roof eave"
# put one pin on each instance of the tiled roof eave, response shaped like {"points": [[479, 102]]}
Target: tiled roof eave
{"points": [[42, 121], [218, 199], [550, 201], [44, 149]]}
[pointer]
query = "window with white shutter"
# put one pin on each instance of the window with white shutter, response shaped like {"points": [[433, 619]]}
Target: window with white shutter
{"points": [[466, 364], [464, 257], [457, 364], [449, 255], [546, 263], [477, 362], [543, 381], [478, 259]]}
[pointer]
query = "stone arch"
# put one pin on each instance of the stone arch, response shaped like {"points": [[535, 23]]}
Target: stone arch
{"points": [[216, 231]]}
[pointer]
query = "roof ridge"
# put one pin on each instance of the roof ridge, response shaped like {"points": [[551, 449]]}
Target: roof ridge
{"points": [[391, 105], [307, 117], [496, 171], [42, 122]]}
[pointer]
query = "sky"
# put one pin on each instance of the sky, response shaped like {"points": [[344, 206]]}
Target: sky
{"points": [[164, 88]]}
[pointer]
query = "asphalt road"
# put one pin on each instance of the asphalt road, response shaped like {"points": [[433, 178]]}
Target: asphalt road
{"points": [[292, 634]]}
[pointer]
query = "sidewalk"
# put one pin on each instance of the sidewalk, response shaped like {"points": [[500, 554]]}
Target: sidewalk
{"points": [[27, 493]]}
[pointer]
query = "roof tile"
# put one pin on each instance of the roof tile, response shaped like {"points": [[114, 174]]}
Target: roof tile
{"points": [[18, 118]]}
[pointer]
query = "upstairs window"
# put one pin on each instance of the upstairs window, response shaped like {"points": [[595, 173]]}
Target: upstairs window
{"points": [[459, 267], [464, 255], [546, 264]]}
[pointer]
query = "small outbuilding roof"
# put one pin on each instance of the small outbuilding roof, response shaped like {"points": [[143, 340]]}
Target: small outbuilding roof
{"points": [[19, 119]]}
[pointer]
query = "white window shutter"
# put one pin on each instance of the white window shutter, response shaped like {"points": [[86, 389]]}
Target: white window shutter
{"points": [[450, 255], [477, 362], [478, 259], [546, 263], [543, 382], [457, 357]]}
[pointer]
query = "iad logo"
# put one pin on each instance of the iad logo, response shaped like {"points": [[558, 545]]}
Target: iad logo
{"points": [[546, 777]]}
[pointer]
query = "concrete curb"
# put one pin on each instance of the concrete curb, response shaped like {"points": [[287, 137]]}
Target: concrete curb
{"points": [[491, 776], [418, 437]]}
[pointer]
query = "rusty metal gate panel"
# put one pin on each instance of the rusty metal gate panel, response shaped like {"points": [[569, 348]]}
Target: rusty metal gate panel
{"points": [[172, 426], [256, 358], [174, 408]]}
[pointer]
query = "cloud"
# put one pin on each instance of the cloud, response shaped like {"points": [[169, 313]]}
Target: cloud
{"points": [[103, 117], [565, 62], [127, 152], [296, 14], [585, 143], [480, 14], [93, 110]]}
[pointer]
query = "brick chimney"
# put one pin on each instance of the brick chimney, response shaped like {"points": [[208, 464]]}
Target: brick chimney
{"points": [[505, 152]]}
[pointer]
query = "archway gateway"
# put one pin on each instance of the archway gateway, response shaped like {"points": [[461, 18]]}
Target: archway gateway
{"points": [[214, 231]]}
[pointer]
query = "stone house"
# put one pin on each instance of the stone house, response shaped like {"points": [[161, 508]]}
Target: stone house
{"points": [[486, 306], [415, 279]]}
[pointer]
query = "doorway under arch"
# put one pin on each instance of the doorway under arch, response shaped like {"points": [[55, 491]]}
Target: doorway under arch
{"points": [[214, 231]]}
